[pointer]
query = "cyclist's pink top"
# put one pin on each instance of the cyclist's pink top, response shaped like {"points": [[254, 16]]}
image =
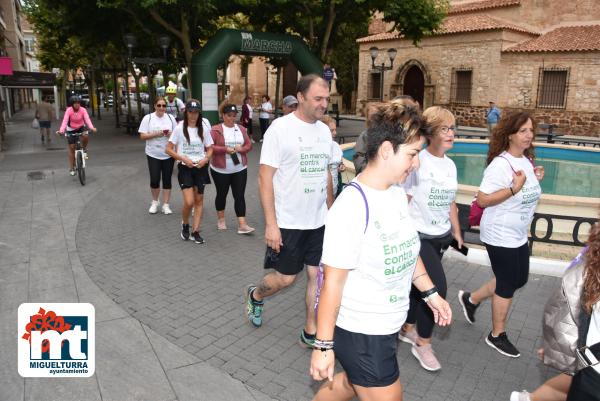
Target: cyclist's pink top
{"points": [[76, 119]]}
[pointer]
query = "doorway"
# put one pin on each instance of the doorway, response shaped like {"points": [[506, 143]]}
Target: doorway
{"points": [[414, 84]]}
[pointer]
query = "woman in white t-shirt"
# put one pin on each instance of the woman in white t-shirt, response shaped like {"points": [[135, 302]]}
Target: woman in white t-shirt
{"points": [[509, 192], [155, 129], [368, 275], [191, 144], [229, 167], [336, 164], [432, 191], [264, 115]]}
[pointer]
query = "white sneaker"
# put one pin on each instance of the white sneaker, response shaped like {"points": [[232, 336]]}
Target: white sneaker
{"points": [[85, 154], [166, 209], [72, 171], [520, 396], [153, 207]]}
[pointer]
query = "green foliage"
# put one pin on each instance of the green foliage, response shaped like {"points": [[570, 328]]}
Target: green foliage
{"points": [[416, 18]]}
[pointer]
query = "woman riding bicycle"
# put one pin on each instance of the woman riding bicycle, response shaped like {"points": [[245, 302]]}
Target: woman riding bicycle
{"points": [[75, 121]]}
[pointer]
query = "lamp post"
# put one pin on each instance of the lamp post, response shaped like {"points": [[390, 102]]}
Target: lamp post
{"points": [[163, 42], [374, 51]]}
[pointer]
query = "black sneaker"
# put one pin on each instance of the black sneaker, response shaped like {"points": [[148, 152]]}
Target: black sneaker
{"points": [[197, 238], [468, 307], [502, 345], [185, 232]]}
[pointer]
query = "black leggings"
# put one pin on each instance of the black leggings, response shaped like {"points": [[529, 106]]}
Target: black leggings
{"points": [[511, 268], [419, 312], [159, 167], [264, 125], [237, 182]]}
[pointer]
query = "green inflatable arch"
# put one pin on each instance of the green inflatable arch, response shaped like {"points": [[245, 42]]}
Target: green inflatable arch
{"points": [[230, 41]]}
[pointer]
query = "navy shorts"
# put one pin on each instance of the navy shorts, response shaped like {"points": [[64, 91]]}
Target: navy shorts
{"points": [[300, 247], [368, 360]]}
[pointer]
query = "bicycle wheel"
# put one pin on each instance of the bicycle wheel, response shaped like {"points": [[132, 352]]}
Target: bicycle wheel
{"points": [[80, 168]]}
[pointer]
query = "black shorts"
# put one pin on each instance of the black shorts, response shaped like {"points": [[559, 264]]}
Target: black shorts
{"points": [[192, 177], [72, 139], [45, 124], [368, 360], [510, 266], [300, 247]]}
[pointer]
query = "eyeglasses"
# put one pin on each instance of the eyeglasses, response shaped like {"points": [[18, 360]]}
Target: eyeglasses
{"points": [[444, 129], [161, 105]]}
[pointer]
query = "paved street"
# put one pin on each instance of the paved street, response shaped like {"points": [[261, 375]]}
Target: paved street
{"points": [[181, 304]]}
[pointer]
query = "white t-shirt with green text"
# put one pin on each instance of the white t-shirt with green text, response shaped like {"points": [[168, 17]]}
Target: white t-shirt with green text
{"points": [[195, 150], [381, 261], [300, 152], [433, 188], [155, 147], [507, 223]]}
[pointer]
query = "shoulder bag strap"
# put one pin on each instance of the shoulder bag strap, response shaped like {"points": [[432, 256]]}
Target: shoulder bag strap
{"points": [[353, 184], [511, 167]]}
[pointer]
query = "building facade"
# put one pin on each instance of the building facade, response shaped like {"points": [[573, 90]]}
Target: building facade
{"points": [[537, 55]]}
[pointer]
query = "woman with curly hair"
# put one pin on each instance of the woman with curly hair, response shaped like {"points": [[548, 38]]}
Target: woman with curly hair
{"points": [[572, 321], [586, 382], [509, 192], [368, 276]]}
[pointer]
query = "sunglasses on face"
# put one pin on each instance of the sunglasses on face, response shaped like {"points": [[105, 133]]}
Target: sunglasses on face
{"points": [[161, 105]]}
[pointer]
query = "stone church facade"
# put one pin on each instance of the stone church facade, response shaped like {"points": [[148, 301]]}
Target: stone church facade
{"points": [[538, 55]]}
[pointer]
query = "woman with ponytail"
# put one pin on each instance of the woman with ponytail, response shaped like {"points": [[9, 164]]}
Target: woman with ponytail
{"points": [[191, 145]]}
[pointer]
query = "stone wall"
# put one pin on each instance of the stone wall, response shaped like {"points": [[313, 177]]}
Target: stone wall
{"points": [[569, 122]]}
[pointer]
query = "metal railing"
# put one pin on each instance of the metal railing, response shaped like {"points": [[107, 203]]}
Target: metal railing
{"points": [[472, 234]]}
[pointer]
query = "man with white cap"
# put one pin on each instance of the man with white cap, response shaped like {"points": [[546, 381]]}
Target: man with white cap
{"points": [[289, 104]]}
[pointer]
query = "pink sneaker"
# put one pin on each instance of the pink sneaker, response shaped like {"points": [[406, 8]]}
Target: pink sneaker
{"points": [[409, 337], [426, 357]]}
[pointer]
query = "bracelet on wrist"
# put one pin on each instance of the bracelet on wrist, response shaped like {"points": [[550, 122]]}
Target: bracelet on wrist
{"points": [[429, 292], [511, 191], [323, 345]]}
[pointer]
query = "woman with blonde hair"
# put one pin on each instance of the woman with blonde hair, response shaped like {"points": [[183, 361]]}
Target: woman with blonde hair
{"points": [[432, 191], [368, 276], [509, 192]]}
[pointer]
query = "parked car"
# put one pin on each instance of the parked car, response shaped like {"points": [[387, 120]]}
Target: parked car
{"points": [[85, 100]]}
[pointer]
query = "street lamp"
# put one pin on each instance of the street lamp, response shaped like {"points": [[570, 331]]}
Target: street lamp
{"points": [[163, 42], [374, 51]]}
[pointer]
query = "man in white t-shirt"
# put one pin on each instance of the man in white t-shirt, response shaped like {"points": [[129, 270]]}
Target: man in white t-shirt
{"points": [[295, 191]]}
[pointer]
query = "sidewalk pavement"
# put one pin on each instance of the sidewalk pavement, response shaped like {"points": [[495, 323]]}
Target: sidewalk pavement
{"points": [[170, 321], [39, 262]]}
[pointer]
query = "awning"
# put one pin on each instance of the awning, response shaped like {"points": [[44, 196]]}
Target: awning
{"points": [[28, 80]]}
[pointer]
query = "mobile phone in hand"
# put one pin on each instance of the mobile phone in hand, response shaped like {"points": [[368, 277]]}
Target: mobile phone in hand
{"points": [[464, 250]]}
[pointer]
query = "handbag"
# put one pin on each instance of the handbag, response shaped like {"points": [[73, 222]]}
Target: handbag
{"points": [[35, 124], [476, 211]]}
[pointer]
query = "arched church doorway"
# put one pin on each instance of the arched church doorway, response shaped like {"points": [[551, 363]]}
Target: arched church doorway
{"points": [[414, 84]]}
